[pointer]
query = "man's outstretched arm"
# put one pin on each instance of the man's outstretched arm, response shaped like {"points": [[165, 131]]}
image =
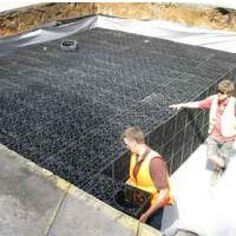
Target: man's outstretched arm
{"points": [[185, 105]]}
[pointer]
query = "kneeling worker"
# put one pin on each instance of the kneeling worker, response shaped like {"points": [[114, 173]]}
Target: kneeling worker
{"points": [[148, 172]]}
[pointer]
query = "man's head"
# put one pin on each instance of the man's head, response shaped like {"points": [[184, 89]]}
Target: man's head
{"points": [[133, 137], [225, 89]]}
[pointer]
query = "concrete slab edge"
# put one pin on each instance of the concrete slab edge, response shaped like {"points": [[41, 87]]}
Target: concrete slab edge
{"points": [[126, 221]]}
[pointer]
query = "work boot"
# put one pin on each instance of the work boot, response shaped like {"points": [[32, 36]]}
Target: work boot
{"points": [[216, 175], [226, 162]]}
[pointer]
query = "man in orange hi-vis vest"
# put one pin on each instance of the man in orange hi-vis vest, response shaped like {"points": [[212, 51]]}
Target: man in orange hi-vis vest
{"points": [[148, 172], [222, 125]]}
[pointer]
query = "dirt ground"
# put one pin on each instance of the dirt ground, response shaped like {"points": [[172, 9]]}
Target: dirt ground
{"points": [[21, 20]]}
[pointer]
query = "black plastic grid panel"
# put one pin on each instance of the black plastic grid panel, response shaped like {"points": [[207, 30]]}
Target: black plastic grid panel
{"points": [[66, 110]]}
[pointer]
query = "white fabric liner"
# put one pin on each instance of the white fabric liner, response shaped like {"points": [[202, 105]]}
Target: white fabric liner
{"points": [[215, 39], [200, 208]]}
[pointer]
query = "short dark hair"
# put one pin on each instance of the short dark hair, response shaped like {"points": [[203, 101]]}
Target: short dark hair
{"points": [[135, 133]]}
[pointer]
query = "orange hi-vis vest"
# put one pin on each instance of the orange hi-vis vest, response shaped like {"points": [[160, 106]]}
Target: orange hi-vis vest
{"points": [[143, 179]]}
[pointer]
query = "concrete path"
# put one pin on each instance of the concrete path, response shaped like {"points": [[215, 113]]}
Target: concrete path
{"points": [[34, 202]]}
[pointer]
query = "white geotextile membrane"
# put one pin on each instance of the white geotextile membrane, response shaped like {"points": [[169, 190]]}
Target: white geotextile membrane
{"points": [[202, 208], [215, 39]]}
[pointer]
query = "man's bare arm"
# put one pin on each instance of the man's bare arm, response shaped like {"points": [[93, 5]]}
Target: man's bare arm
{"points": [[185, 105], [163, 197]]}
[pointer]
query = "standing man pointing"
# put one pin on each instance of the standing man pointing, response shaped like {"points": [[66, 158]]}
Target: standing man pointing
{"points": [[222, 124]]}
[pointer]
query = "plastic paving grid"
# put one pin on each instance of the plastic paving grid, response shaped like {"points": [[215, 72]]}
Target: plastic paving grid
{"points": [[66, 110]]}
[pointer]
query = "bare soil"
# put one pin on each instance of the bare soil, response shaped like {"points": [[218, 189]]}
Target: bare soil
{"points": [[21, 20]]}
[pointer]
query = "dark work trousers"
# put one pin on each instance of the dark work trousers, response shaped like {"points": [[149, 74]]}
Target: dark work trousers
{"points": [[155, 220]]}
